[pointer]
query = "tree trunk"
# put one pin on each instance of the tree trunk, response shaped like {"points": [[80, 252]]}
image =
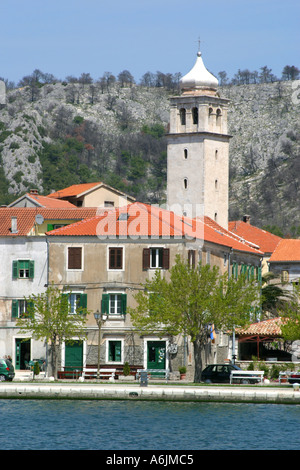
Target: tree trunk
{"points": [[198, 348], [53, 362]]}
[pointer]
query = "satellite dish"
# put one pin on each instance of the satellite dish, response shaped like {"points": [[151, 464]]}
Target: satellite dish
{"points": [[39, 219]]}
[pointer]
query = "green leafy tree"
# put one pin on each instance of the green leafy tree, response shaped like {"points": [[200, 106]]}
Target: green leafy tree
{"points": [[49, 318], [290, 327], [191, 301]]}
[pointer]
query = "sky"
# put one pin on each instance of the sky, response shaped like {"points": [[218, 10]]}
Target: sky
{"points": [[71, 37]]}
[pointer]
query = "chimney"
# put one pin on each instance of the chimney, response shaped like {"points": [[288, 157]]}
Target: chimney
{"points": [[246, 219], [14, 226]]}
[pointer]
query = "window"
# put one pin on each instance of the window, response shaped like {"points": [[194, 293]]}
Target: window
{"points": [[23, 269], [185, 154], [195, 115], [54, 226], [74, 258], [182, 114], [109, 203], [115, 258], [19, 308], [156, 258], [77, 302], [185, 183], [114, 304], [192, 258], [114, 351], [284, 276]]}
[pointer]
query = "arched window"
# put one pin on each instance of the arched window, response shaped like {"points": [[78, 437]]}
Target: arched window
{"points": [[219, 114], [216, 154], [216, 184], [182, 113], [195, 115], [216, 217], [185, 183], [210, 111], [185, 152]]}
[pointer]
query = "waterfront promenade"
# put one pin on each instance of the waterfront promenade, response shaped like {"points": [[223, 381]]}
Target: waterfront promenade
{"points": [[43, 389]]}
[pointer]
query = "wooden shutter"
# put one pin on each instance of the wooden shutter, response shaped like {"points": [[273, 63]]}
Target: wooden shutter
{"points": [[105, 304], [15, 308], [74, 257], [83, 301], [115, 258], [15, 270], [123, 304], [166, 258], [50, 227], [146, 258], [31, 269]]}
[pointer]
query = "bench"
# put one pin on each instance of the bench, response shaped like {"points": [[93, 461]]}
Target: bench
{"points": [[153, 373], [89, 373], [247, 376]]}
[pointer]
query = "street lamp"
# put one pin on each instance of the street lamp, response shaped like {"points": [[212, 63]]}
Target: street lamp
{"points": [[99, 317]]}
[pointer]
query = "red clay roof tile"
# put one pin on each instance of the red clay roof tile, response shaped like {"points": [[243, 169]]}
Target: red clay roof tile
{"points": [[287, 250], [266, 241]]}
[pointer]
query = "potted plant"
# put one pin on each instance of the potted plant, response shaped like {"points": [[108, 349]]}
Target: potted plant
{"points": [[126, 369], [182, 372]]}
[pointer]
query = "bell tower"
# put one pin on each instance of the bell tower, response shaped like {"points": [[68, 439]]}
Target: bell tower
{"points": [[198, 148]]}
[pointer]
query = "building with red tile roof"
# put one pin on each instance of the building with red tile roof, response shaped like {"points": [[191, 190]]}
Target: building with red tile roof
{"points": [[29, 221], [34, 199], [285, 262], [96, 194], [266, 241]]}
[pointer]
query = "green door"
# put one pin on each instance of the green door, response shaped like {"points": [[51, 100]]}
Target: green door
{"points": [[22, 353], [156, 355], [74, 355]]}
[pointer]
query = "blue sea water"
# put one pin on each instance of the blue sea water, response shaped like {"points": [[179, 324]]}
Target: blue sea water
{"points": [[126, 425]]}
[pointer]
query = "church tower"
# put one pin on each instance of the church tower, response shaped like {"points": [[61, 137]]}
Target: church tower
{"points": [[198, 148]]}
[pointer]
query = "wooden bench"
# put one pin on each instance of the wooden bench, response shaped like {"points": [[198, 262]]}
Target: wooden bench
{"points": [[89, 373], [153, 373], [247, 376]]}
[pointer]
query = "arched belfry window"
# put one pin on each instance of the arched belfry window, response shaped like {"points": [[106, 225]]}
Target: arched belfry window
{"points": [[210, 111], [219, 114], [195, 115], [182, 114]]}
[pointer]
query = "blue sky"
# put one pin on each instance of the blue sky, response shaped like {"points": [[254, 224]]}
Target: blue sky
{"points": [[69, 37]]}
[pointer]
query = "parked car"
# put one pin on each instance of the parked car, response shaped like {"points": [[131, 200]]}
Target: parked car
{"points": [[294, 378], [220, 373], [7, 370]]}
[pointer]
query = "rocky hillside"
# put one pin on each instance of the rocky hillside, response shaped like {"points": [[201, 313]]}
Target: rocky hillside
{"points": [[63, 133]]}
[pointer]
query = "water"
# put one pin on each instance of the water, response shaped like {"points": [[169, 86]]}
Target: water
{"points": [[126, 425]]}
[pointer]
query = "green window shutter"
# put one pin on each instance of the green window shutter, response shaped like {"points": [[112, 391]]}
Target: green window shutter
{"points": [[30, 307], [83, 301], [124, 303], [15, 270], [50, 227], [259, 277], [118, 351], [31, 269], [105, 304], [115, 351], [15, 308]]}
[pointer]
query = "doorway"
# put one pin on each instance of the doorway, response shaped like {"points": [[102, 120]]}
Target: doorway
{"points": [[23, 349], [156, 355]]}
